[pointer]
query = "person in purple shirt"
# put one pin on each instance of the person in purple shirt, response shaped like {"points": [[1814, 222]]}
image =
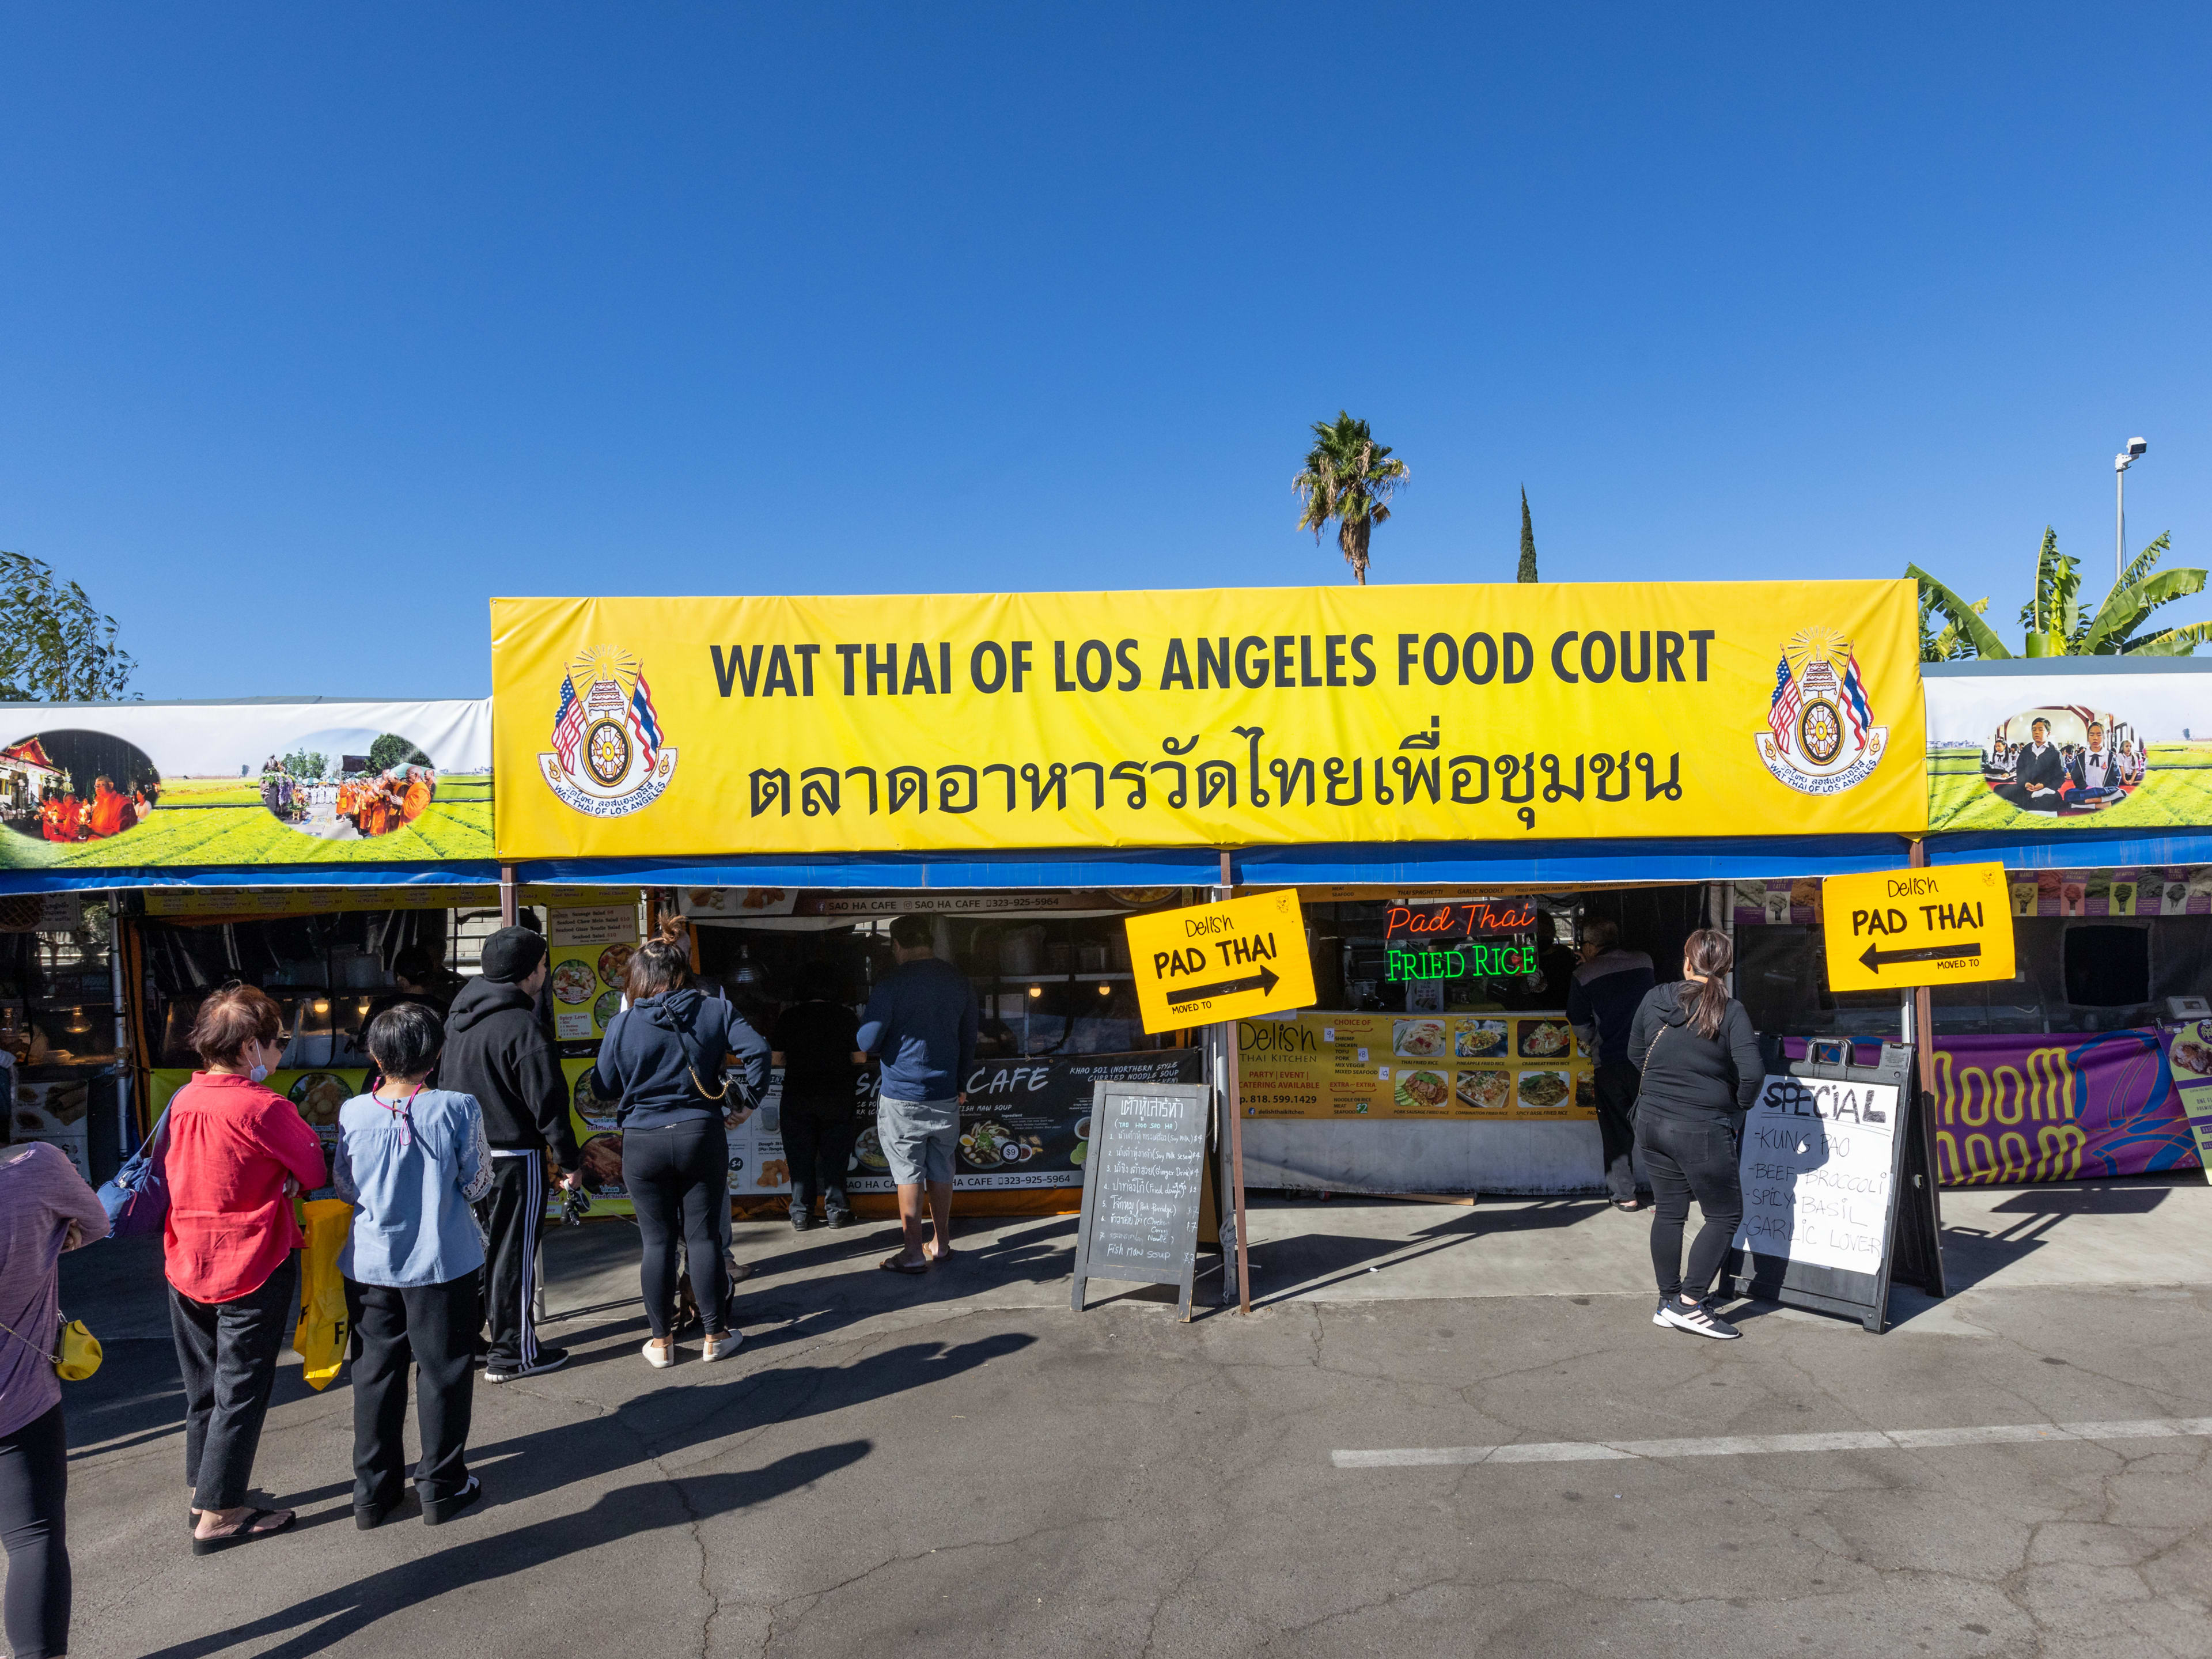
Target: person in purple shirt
{"points": [[44, 1208], [921, 1023]]}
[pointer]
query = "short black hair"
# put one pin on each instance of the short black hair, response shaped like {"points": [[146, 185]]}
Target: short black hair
{"points": [[404, 1040], [909, 931]]}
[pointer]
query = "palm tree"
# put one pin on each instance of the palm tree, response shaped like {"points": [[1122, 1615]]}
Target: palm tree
{"points": [[1350, 478], [2053, 619]]}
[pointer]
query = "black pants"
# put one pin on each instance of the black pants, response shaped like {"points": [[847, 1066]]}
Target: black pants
{"points": [[1616, 1082], [817, 1138], [434, 1326], [226, 1352], [511, 1213], [1685, 1158], [33, 1486], [676, 1178]]}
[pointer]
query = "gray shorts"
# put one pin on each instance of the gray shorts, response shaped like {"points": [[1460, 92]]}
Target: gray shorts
{"points": [[918, 1137]]}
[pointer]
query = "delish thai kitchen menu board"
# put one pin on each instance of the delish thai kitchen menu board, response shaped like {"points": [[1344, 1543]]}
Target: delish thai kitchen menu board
{"points": [[1142, 1186], [1475, 1066]]}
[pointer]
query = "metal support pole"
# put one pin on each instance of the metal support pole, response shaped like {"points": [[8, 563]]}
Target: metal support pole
{"points": [[507, 910], [1228, 1028], [126, 1138], [2119, 517]]}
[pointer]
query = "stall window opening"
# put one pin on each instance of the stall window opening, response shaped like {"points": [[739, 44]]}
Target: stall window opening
{"points": [[2107, 967]]}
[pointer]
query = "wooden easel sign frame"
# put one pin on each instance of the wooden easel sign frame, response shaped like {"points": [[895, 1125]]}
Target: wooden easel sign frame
{"points": [[1142, 1178]]}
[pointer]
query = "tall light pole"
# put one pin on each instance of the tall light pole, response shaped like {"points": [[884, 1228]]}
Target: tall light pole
{"points": [[2120, 466]]}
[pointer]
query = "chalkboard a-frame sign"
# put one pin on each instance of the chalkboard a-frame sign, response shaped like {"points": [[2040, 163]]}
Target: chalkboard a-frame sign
{"points": [[1838, 1192], [1143, 1176]]}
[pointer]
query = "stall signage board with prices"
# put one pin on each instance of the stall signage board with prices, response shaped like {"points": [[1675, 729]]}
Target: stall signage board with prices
{"points": [[1839, 1198], [1142, 1186], [589, 947], [1891, 930], [1222, 961]]}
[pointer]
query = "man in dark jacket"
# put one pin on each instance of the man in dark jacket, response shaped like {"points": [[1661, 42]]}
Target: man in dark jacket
{"points": [[1602, 1002], [496, 1050]]}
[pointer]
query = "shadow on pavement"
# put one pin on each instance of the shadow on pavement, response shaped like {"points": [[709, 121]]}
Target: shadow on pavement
{"points": [[322, 1620]]}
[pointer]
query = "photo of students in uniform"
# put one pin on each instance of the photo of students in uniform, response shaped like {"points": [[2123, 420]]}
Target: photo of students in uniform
{"points": [[2063, 761]]}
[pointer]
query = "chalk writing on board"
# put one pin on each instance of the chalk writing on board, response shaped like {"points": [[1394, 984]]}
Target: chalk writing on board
{"points": [[1815, 1163]]}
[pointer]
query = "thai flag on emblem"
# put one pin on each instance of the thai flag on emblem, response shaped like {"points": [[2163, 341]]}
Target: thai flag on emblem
{"points": [[567, 728], [642, 724], [1782, 709], [1855, 706]]}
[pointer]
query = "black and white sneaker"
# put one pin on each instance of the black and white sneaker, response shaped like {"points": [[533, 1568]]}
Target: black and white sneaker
{"points": [[1659, 1315], [1700, 1319], [505, 1370]]}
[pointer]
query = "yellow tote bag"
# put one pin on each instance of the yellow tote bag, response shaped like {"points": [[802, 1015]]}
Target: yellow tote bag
{"points": [[323, 1326]]}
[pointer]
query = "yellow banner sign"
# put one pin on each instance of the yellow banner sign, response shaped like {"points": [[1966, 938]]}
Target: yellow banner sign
{"points": [[1221, 961], [1489, 1068], [1897, 928], [694, 727]]}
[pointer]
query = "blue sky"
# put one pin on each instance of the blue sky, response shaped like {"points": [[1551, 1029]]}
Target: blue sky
{"points": [[320, 326]]}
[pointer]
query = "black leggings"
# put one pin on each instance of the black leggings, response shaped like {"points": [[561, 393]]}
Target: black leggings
{"points": [[1684, 1158], [33, 1485], [677, 1177]]}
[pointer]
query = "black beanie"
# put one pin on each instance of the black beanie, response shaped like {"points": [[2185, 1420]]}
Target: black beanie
{"points": [[510, 954]]}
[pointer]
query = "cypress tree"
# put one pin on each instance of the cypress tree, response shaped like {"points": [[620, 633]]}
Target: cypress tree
{"points": [[1528, 540]]}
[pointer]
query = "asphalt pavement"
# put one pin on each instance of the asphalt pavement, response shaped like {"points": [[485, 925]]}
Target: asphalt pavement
{"points": [[1442, 1430]]}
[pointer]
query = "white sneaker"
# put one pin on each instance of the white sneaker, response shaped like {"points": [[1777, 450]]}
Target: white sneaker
{"points": [[721, 1347], [1699, 1318], [659, 1352]]}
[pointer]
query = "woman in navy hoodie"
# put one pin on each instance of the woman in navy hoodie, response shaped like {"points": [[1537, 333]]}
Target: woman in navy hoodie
{"points": [[662, 1060]]}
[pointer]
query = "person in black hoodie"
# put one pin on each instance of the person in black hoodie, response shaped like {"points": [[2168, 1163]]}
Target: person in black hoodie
{"points": [[497, 1051], [662, 1061], [1701, 1072]]}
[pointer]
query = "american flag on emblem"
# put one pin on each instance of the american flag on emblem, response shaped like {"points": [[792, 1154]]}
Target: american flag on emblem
{"points": [[1856, 707], [1781, 709], [642, 724], [567, 727]]}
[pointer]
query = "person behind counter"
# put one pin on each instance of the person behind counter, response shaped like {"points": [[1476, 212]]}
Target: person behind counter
{"points": [[921, 1023], [1602, 998], [46, 1208], [1698, 1057], [239, 1154], [411, 1159], [657, 1061], [818, 1044]]}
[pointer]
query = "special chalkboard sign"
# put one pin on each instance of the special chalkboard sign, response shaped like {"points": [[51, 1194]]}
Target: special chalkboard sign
{"points": [[1839, 1198], [1143, 1180]]}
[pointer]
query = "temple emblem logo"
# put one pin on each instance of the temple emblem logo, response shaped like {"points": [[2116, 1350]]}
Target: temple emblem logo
{"points": [[608, 757], [1820, 737]]}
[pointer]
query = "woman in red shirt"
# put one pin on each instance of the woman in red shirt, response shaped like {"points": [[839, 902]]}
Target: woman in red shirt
{"points": [[237, 1154]]}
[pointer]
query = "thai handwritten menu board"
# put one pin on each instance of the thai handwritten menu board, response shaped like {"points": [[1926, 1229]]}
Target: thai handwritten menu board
{"points": [[1142, 1186], [1495, 1068]]}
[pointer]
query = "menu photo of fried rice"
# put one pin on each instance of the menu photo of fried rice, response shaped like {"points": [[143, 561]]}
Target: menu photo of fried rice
{"points": [[1542, 1090], [1545, 1039], [1420, 1091], [1484, 1088], [1479, 1039], [1419, 1039]]}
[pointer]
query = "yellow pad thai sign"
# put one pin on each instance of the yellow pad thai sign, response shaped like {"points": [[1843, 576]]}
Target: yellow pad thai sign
{"points": [[1521, 712], [1221, 961], [1892, 929]]}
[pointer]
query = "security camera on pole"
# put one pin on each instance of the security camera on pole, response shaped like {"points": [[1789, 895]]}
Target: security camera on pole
{"points": [[2121, 462]]}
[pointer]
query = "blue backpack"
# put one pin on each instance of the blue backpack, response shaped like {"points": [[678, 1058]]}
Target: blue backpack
{"points": [[136, 1200]]}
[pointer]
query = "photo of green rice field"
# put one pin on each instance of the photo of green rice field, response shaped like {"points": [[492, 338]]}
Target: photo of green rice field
{"points": [[2176, 790], [221, 821]]}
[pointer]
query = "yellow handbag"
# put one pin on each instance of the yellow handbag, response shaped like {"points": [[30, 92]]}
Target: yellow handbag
{"points": [[77, 1354]]}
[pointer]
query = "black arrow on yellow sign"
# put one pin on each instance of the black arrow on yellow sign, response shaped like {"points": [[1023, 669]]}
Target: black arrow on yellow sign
{"points": [[1264, 981], [1875, 960]]}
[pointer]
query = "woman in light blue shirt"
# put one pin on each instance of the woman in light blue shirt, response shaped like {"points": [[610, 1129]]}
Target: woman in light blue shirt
{"points": [[411, 1160]]}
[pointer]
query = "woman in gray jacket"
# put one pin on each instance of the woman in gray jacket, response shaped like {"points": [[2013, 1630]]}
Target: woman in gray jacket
{"points": [[1701, 1070]]}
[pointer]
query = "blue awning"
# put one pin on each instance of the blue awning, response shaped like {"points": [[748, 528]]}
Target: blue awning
{"points": [[460, 873]]}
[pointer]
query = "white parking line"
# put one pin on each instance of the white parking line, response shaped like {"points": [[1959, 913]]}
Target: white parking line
{"points": [[1740, 1445]]}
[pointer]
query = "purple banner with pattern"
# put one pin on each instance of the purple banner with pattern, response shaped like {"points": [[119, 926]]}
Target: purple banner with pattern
{"points": [[2061, 1106]]}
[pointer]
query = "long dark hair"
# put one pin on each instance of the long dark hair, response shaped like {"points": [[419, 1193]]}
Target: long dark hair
{"points": [[661, 965], [1712, 953]]}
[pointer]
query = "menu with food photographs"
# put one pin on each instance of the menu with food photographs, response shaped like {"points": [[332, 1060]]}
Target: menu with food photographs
{"points": [[1494, 1067], [2191, 1055], [589, 947]]}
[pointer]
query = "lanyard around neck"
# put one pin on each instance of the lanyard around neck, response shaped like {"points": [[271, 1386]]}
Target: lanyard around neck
{"points": [[399, 1110]]}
